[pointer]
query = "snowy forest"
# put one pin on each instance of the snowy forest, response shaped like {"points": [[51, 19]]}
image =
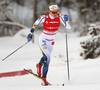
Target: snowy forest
{"points": [[75, 60], [15, 14]]}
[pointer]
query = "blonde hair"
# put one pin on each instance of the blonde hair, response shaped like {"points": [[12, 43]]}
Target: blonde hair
{"points": [[50, 5]]}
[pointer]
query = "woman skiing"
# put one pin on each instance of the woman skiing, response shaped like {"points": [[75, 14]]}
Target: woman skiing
{"points": [[51, 23]]}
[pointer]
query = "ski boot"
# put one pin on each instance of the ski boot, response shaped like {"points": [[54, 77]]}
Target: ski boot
{"points": [[39, 69], [44, 83]]}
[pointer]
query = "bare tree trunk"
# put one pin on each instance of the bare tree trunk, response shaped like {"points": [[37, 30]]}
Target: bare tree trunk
{"points": [[60, 5], [69, 14], [10, 28], [12, 24], [48, 2], [35, 11], [85, 11], [34, 15]]}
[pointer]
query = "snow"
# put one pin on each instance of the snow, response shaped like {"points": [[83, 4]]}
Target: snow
{"points": [[84, 74]]}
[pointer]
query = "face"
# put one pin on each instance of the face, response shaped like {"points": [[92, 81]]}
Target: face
{"points": [[54, 13]]}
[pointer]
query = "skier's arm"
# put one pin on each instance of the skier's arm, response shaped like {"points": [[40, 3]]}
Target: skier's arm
{"points": [[64, 20], [37, 22]]}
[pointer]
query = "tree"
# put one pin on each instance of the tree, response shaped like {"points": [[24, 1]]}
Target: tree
{"points": [[91, 47], [34, 15], [48, 1], [34, 10]]}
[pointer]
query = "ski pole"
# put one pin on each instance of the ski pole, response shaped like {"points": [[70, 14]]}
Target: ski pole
{"points": [[67, 58], [15, 51]]}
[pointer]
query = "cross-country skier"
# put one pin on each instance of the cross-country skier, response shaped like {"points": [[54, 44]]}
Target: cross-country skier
{"points": [[51, 23]]}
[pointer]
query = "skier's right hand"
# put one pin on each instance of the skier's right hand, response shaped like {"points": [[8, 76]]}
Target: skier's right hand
{"points": [[29, 37]]}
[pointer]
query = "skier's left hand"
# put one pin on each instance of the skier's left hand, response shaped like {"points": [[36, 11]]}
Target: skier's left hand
{"points": [[65, 17]]}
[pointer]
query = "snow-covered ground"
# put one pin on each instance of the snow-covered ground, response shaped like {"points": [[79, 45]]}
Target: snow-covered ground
{"points": [[84, 74]]}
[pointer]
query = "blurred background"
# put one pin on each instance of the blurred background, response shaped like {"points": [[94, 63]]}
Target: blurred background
{"points": [[17, 14]]}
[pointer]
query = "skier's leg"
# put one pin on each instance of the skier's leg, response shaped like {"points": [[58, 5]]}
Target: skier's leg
{"points": [[46, 48], [45, 60], [46, 65]]}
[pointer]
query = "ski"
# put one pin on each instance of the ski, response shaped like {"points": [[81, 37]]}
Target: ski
{"points": [[35, 75]]}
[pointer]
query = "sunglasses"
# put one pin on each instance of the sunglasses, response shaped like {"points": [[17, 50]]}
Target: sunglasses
{"points": [[54, 12]]}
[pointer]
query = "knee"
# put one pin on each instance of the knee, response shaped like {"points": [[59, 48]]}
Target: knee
{"points": [[46, 62]]}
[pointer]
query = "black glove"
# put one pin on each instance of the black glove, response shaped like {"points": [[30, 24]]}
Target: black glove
{"points": [[29, 37]]}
